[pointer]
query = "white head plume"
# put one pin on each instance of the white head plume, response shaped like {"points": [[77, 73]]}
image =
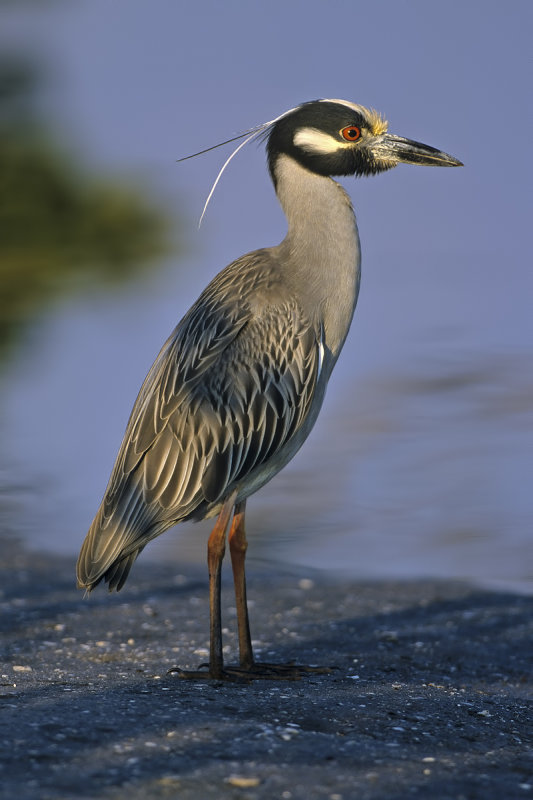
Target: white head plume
{"points": [[250, 134]]}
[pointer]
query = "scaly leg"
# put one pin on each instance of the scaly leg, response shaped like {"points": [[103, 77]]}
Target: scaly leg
{"points": [[249, 668], [238, 546], [216, 548]]}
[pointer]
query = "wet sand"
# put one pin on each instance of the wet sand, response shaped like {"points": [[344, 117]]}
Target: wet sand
{"points": [[430, 695]]}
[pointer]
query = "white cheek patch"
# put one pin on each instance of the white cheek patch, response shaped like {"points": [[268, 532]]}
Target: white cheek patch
{"points": [[316, 142]]}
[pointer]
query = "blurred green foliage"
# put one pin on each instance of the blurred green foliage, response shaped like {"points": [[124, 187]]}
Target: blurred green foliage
{"points": [[61, 228]]}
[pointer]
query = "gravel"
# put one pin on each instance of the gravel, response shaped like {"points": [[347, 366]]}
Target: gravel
{"points": [[430, 695]]}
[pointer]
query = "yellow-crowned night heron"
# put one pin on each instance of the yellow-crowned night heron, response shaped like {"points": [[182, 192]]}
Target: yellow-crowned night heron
{"points": [[238, 385]]}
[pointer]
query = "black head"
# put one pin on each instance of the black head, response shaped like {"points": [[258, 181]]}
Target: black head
{"points": [[336, 137]]}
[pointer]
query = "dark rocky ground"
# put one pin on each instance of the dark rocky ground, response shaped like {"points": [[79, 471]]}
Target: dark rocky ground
{"points": [[430, 698]]}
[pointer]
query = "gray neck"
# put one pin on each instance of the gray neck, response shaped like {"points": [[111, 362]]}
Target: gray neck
{"points": [[321, 250]]}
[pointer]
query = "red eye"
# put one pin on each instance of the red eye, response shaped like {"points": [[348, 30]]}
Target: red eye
{"points": [[352, 133]]}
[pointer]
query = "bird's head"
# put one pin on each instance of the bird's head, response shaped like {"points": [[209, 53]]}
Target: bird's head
{"points": [[333, 137], [336, 137]]}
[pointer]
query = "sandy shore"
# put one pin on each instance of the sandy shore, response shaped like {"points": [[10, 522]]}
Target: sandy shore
{"points": [[429, 697]]}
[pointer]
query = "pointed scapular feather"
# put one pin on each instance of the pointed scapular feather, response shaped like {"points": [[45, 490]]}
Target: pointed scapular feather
{"points": [[191, 488], [216, 475], [171, 494], [168, 471], [277, 399], [250, 460], [160, 459], [274, 433]]}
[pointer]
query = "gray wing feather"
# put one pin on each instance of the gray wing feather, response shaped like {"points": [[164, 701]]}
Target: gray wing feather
{"points": [[231, 386]]}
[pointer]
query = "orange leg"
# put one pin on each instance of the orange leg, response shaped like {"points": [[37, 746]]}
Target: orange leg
{"points": [[216, 548], [248, 668], [238, 546]]}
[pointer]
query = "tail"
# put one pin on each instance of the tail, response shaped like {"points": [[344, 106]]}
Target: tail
{"points": [[110, 549], [89, 575]]}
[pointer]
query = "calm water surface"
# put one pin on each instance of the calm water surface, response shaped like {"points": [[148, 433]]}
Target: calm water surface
{"points": [[420, 464]]}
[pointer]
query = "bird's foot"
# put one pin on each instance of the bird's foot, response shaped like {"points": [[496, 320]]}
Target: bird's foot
{"points": [[204, 673], [289, 672], [246, 674]]}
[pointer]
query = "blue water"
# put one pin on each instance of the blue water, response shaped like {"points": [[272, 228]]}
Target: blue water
{"points": [[420, 464]]}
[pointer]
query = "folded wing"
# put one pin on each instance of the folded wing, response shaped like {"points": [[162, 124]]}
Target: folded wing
{"points": [[230, 388]]}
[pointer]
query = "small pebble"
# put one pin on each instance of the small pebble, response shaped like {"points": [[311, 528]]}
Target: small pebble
{"points": [[242, 782]]}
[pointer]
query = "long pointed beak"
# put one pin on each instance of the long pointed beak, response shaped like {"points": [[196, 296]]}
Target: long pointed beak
{"points": [[396, 148]]}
